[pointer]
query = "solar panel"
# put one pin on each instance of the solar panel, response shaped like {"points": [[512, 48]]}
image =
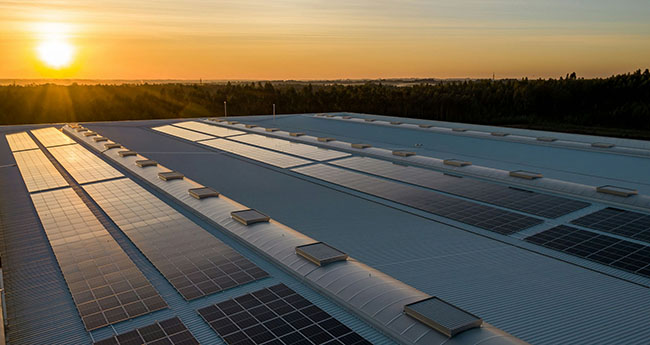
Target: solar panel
{"points": [[620, 222], [255, 153], [182, 133], [203, 192], [286, 146], [321, 253], [170, 175], [20, 142], [167, 332], [191, 259], [51, 136], [105, 284], [208, 129], [37, 171], [606, 250], [482, 216], [248, 217], [442, 316], [83, 165], [276, 315], [517, 199]]}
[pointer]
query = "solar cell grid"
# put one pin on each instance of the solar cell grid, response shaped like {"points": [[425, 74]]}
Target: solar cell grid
{"points": [[607, 250], [255, 153], [620, 222], [521, 200], [105, 284], [286, 146], [82, 164], [182, 133], [192, 260], [167, 332], [208, 129], [276, 315], [51, 136], [37, 171], [20, 141], [485, 217]]}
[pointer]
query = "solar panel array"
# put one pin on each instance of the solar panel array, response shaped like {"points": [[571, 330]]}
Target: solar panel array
{"points": [[167, 332], [182, 133], [192, 260], [82, 164], [276, 315], [521, 200], [37, 171], [51, 136], [286, 146], [208, 129], [620, 222], [105, 284], [607, 250], [255, 153], [20, 142], [482, 216]]}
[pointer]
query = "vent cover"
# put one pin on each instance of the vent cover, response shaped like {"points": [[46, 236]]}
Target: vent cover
{"points": [[296, 134], [203, 192], [98, 139], [325, 139], [250, 126], [424, 125], [360, 146], [330, 115], [146, 163], [546, 139], [250, 216], [618, 191], [395, 123], [456, 162], [170, 175], [442, 316], [109, 146], [81, 129], [320, 253], [369, 120], [271, 129], [89, 134], [602, 145], [346, 117], [233, 122], [403, 153], [525, 174], [459, 129], [127, 153], [499, 134]]}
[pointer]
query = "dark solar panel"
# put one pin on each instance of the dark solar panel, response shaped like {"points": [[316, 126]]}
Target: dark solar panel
{"points": [[607, 250], [195, 262], [620, 222], [276, 315], [169, 332], [482, 216], [517, 199]]}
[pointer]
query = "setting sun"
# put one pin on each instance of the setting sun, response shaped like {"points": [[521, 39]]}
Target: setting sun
{"points": [[56, 54]]}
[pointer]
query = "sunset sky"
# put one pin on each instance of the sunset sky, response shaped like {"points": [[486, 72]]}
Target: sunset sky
{"points": [[319, 39]]}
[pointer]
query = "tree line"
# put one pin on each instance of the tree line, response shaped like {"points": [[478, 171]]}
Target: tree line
{"points": [[619, 105]]}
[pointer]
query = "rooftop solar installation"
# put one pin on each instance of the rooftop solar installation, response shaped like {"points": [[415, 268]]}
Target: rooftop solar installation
{"points": [[255, 153], [182, 133], [191, 259], [20, 142], [82, 164], [105, 284], [208, 128], [167, 332], [37, 171], [51, 136], [517, 199], [286, 146], [442, 316], [276, 315], [606, 250], [620, 222], [485, 217]]}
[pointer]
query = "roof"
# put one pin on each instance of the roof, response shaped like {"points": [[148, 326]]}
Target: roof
{"points": [[377, 208]]}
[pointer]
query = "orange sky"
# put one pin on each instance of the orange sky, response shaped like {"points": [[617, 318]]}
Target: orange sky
{"points": [[325, 39]]}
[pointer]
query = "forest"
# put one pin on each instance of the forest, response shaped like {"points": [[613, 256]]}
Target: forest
{"points": [[615, 106]]}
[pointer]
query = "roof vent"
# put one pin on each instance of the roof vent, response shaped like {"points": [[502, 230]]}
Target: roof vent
{"points": [[325, 139], [403, 153], [127, 153], [525, 174], [422, 125], [170, 175], [271, 129], [499, 134], [618, 191], [321, 114], [320, 253], [250, 126], [459, 129], [250, 216], [395, 123], [360, 146], [442, 316], [218, 119], [233, 122], [98, 139], [546, 139], [602, 145], [146, 163], [109, 146], [81, 129], [456, 162], [369, 120], [296, 134], [330, 115], [346, 117], [203, 192], [89, 134]]}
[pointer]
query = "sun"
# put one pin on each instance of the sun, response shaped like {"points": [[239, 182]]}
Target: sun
{"points": [[54, 48], [55, 53]]}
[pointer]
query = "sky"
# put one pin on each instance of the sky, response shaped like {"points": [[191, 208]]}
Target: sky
{"points": [[321, 39]]}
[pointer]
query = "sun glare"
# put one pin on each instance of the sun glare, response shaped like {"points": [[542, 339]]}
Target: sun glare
{"points": [[54, 49]]}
